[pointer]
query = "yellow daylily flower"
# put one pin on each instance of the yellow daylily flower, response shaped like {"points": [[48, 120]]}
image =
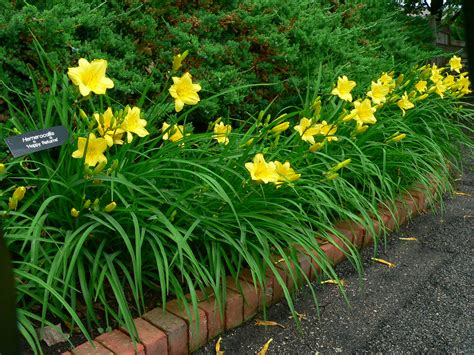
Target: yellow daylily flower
{"points": [[344, 88], [2, 168], [262, 171], [108, 127], [378, 92], [455, 63], [448, 81], [363, 112], [386, 80], [440, 88], [306, 130], [327, 130], [95, 150], [221, 133], [174, 134], [90, 77], [178, 60], [435, 74], [421, 86], [463, 84], [184, 91], [405, 103], [132, 123], [285, 172]]}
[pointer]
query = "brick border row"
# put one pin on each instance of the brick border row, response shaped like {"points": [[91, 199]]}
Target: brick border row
{"points": [[174, 332]]}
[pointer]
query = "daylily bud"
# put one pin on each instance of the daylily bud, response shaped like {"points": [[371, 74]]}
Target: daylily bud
{"points": [[99, 167], [400, 79], [267, 119], [178, 60], [12, 203], [110, 207], [82, 114], [96, 203], [260, 116], [316, 146], [2, 168], [332, 176], [362, 129], [281, 127], [397, 138], [19, 193], [422, 97], [87, 170], [87, 204], [211, 126], [316, 105], [74, 212], [249, 142], [341, 165], [114, 165]]}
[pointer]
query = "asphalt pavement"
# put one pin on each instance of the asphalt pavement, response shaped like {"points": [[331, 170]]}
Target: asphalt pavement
{"points": [[423, 304]]}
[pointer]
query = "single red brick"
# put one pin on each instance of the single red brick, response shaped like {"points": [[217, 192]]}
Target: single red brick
{"points": [[197, 329], [420, 199], [215, 321], [91, 349], [370, 235], [153, 339], [409, 203], [176, 329], [249, 294], [234, 309], [295, 271], [353, 231], [265, 292], [389, 220], [401, 212], [120, 343], [277, 287], [282, 265], [334, 254], [304, 261]]}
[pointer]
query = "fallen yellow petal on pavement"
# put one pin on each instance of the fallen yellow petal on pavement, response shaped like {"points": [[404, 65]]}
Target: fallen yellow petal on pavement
{"points": [[341, 282], [264, 349], [385, 262], [218, 347], [269, 323]]}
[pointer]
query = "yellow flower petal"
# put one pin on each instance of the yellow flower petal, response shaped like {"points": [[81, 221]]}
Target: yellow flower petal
{"points": [[90, 77], [184, 91], [344, 88]]}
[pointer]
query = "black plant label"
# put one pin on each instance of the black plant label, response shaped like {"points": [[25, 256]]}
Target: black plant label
{"points": [[36, 141]]}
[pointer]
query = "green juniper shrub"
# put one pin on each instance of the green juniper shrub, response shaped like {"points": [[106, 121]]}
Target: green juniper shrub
{"points": [[232, 44]]}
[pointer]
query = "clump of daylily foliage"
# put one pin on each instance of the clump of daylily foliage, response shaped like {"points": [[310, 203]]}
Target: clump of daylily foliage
{"points": [[139, 203]]}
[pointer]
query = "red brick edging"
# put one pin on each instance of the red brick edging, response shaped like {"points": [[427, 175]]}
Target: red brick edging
{"points": [[173, 332]]}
